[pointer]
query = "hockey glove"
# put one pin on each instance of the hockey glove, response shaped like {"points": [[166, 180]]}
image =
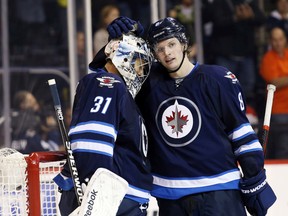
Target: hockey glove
{"points": [[123, 25], [257, 195]]}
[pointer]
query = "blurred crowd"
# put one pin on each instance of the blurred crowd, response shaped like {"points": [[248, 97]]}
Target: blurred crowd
{"points": [[247, 36]]}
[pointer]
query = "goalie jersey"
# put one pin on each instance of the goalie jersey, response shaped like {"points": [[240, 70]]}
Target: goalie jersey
{"points": [[107, 131], [198, 132]]}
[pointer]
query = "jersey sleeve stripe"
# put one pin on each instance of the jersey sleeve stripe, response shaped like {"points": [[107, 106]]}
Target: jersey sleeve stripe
{"points": [[251, 146], [92, 147], [243, 131], [134, 191], [94, 127]]}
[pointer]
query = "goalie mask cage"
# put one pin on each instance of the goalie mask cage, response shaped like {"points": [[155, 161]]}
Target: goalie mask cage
{"points": [[26, 182]]}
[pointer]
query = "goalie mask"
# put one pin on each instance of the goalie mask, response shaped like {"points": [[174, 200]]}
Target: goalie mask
{"points": [[132, 58]]}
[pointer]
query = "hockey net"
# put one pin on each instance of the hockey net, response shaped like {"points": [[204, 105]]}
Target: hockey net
{"points": [[26, 182]]}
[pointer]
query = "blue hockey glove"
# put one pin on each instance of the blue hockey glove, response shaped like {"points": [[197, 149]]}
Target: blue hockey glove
{"points": [[123, 25], [257, 195]]}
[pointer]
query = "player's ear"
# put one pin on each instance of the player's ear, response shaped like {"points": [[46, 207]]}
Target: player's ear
{"points": [[184, 46], [156, 57]]}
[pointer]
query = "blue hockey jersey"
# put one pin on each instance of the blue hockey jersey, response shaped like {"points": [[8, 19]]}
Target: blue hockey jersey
{"points": [[198, 132], [107, 131]]}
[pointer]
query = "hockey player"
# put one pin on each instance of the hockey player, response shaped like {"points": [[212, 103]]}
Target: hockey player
{"points": [[107, 129], [198, 132]]}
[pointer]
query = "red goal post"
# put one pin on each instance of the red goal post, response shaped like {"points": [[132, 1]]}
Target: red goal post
{"points": [[26, 183]]}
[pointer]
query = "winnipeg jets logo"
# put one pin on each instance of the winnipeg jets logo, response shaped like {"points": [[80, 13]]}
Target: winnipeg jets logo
{"points": [[107, 81], [178, 120], [231, 76]]}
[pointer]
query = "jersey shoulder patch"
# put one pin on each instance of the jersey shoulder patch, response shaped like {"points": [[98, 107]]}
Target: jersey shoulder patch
{"points": [[221, 73], [107, 81], [103, 78]]}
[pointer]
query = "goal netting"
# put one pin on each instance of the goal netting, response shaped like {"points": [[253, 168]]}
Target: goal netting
{"points": [[26, 182]]}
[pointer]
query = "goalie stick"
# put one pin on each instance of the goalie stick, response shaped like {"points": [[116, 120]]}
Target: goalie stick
{"points": [[105, 190], [266, 124], [65, 139]]}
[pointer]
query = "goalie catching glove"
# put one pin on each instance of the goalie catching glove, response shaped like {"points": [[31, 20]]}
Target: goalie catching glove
{"points": [[257, 195], [123, 25]]}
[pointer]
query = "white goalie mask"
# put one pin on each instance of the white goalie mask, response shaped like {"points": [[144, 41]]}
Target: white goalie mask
{"points": [[132, 58]]}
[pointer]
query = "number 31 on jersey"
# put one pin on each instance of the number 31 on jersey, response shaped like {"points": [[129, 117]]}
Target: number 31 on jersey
{"points": [[101, 104]]}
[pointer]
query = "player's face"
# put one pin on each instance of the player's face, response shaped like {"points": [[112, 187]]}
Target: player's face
{"points": [[278, 41], [170, 53], [112, 15], [138, 66], [30, 102]]}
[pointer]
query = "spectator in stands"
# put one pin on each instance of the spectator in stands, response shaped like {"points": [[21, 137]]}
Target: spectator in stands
{"points": [[185, 14], [108, 14], [125, 7], [279, 16], [233, 39], [67, 116], [62, 26], [81, 53], [274, 69], [207, 22], [30, 16], [31, 130]]}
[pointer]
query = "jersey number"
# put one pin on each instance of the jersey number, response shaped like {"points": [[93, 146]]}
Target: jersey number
{"points": [[99, 105], [240, 98]]}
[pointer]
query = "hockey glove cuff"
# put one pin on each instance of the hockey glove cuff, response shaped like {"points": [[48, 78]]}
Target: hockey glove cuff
{"points": [[65, 183], [123, 25], [257, 195]]}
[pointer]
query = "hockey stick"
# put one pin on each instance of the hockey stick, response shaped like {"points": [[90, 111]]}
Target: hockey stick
{"points": [[65, 139], [266, 124]]}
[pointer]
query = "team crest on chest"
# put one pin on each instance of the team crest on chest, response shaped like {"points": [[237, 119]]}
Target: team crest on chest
{"points": [[179, 121], [107, 81]]}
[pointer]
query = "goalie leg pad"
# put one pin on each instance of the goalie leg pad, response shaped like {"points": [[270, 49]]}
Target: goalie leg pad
{"points": [[103, 195]]}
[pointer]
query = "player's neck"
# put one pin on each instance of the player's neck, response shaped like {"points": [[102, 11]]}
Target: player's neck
{"points": [[184, 70], [109, 66]]}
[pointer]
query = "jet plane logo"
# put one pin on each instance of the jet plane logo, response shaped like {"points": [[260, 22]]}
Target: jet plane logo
{"points": [[107, 81], [231, 76]]}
